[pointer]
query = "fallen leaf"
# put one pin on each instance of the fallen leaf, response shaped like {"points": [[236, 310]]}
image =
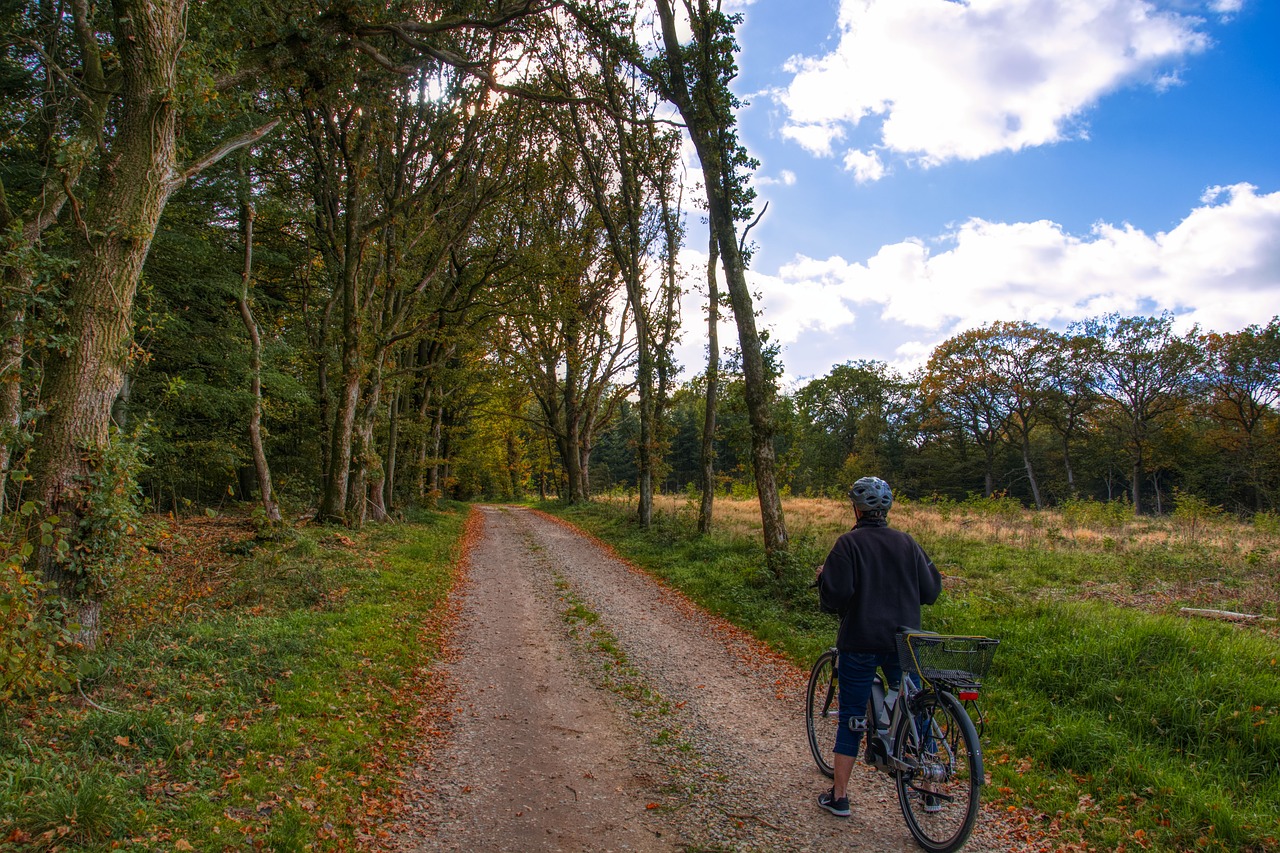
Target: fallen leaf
{"points": [[182, 844], [122, 740]]}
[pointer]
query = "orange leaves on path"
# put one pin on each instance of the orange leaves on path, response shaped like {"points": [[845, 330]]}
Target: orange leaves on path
{"points": [[433, 695]]}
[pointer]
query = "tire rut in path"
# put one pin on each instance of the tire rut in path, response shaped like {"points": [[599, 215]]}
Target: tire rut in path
{"points": [[539, 756]]}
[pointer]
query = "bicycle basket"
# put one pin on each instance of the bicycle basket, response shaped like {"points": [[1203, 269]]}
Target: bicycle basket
{"points": [[948, 659]]}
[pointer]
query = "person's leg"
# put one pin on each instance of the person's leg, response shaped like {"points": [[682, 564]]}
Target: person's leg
{"points": [[844, 769], [856, 673]]}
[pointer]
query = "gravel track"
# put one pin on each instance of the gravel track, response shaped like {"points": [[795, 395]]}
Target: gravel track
{"points": [[655, 727]]}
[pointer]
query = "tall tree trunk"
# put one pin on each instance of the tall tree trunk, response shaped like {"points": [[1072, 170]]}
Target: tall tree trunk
{"points": [[571, 450], [334, 501], [1066, 461], [644, 382], [1031, 474], [513, 464], [710, 122], [713, 382], [110, 241], [10, 389], [364, 495], [584, 469], [393, 438], [424, 427], [433, 471], [260, 466]]}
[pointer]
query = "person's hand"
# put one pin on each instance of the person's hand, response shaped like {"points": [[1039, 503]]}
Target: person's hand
{"points": [[817, 573]]}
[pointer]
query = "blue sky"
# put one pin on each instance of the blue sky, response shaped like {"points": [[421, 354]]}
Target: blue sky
{"points": [[932, 165]]}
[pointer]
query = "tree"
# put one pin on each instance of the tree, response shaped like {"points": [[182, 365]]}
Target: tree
{"points": [[695, 78], [626, 169], [564, 331], [1021, 358], [708, 447], [1243, 384], [1145, 374], [961, 386], [1072, 392], [261, 467], [114, 172], [861, 410]]}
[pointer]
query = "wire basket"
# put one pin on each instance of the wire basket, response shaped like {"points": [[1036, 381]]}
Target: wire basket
{"points": [[946, 658]]}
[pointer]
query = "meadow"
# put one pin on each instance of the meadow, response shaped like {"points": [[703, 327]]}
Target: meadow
{"points": [[1135, 700]]}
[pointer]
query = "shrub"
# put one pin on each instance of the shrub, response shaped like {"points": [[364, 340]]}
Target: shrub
{"points": [[1267, 523], [34, 636], [1193, 512], [1091, 513]]}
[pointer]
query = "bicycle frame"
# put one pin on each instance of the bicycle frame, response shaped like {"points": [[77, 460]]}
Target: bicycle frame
{"points": [[879, 747], [884, 760]]}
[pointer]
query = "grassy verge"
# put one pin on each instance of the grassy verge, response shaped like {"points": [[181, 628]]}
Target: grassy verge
{"points": [[1118, 723], [271, 716]]}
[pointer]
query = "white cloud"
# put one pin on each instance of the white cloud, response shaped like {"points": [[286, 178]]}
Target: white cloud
{"points": [[788, 309], [953, 80], [866, 166], [814, 138], [1220, 267], [786, 178]]}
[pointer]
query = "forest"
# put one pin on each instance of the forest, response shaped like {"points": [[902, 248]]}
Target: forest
{"points": [[338, 261]]}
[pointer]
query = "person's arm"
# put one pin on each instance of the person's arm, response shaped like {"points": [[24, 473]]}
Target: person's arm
{"points": [[929, 577], [838, 579]]}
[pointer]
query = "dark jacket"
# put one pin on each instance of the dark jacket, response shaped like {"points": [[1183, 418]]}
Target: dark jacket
{"points": [[876, 578]]}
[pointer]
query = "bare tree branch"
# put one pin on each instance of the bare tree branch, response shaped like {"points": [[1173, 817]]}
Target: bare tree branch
{"points": [[235, 144], [743, 241]]}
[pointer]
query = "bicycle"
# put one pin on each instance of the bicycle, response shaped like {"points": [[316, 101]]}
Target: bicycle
{"points": [[921, 734]]}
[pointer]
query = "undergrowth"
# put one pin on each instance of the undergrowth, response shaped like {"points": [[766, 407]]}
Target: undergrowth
{"points": [[268, 716]]}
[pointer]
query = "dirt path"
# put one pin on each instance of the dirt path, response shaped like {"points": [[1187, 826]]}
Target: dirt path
{"points": [[594, 709]]}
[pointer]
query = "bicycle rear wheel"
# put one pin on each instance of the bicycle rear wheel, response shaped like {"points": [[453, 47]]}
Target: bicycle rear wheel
{"points": [[939, 795], [822, 711]]}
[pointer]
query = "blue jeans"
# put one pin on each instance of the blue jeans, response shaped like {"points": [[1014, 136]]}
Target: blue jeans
{"points": [[857, 670]]}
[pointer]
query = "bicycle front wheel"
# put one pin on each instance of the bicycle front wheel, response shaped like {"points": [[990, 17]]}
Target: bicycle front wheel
{"points": [[939, 793], [822, 711]]}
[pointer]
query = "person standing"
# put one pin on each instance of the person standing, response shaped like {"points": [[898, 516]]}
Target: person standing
{"points": [[876, 578]]}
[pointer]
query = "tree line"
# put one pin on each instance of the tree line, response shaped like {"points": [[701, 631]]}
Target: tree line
{"points": [[1113, 408]]}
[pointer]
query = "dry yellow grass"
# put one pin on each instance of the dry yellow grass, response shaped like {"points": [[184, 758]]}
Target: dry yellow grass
{"points": [[1215, 563], [999, 522]]}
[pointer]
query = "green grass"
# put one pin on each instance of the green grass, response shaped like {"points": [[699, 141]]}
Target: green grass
{"points": [[275, 720], [1122, 726]]}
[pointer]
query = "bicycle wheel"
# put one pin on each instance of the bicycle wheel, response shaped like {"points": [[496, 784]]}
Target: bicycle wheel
{"points": [[939, 794], [822, 711]]}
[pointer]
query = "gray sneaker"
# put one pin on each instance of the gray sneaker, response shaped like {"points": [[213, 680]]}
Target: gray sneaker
{"points": [[839, 808]]}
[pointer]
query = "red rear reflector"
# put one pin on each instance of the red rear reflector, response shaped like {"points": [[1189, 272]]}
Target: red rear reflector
{"points": [[968, 695]]}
